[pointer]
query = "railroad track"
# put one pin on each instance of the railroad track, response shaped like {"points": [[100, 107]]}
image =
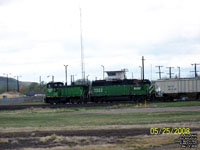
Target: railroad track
{"points": [[18, 107]]}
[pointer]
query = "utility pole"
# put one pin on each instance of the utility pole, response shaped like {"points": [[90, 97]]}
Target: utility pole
{"points": [[52, 78], [159, 71], [88, 79], [71, 79], [140, 72], [143, 68], [170, 72], [7, 89], [195, 69], [103, 70], [7, 82], [65, 74], [18, 83], [179, 72], [151, 72], [40, 84]]}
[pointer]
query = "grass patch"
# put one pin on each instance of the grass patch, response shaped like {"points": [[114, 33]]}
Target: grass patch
{"points": [[64, 117], [149, 104], [31, 103], [174, 104], [121, 106]]}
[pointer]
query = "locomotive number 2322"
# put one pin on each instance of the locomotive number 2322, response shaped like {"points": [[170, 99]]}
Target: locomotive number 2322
{"points": [[98, 90]]}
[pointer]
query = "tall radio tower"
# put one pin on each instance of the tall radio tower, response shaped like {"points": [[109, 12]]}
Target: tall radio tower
{"points": [[82, 52]]}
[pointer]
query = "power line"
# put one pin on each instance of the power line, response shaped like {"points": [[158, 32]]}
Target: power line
{"points": [[179, 72], [170, 72], [195, 69], [159, 71], [143, 67]]}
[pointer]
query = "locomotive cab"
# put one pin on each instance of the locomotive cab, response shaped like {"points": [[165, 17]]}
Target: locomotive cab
{"points": [[53, 92]]}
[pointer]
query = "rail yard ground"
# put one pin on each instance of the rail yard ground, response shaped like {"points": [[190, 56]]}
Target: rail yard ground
{"points": [[120, 127], [150, 104]]}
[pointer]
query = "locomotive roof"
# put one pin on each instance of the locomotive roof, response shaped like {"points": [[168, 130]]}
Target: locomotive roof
{"points": [[52, 84], [119, 82], [116, 71], [55, 83]]}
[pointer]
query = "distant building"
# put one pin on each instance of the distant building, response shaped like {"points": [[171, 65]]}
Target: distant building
{"points": [[116, 75]]}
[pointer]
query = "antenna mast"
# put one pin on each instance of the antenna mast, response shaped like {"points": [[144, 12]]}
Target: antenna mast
{"points": [[82, 52]]}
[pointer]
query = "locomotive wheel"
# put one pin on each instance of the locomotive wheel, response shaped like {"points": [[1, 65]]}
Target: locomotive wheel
{"points": [[71, 101]]}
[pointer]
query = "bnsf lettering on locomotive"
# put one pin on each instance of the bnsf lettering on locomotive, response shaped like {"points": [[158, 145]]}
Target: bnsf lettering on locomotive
{"points": [[98, 90]]}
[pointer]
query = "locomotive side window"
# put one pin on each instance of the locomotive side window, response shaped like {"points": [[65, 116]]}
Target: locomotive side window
{"points": [[54, 85], [58, 84], [111, 74], [49, 85]]}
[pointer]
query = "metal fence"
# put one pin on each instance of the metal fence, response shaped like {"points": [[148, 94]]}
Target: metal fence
{"points": [[7, 101]]}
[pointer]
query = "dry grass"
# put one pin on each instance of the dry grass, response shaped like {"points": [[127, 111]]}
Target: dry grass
{"points": [[4, 140], [141, 142], [68, 140], [14, 142], [53, 137], [153, 142], [87, 147], [149, 141], [33, 134], [160, 125]]}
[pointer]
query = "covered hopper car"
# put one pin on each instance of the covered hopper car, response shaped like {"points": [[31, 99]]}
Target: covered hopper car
{"points": [[179, 87]]}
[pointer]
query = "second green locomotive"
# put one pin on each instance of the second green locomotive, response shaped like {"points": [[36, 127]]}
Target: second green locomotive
{"points": [[57, 92]]}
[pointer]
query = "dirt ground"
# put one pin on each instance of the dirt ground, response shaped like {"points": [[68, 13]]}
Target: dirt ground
{"points": [[131, 110], [117, 139], [11, 95], [130, 137]]}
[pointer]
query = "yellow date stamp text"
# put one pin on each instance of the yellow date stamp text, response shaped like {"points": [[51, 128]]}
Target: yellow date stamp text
{"points": [[158, 131]]}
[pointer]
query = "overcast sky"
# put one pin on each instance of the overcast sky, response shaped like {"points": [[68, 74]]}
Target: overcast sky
{"points": [[37, 37]]}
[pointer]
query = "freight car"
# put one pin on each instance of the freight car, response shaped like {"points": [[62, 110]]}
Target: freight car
{"points": [[178, 88]]}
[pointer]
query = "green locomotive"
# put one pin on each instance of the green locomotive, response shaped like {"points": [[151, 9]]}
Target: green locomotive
{"points": [[99, 91], [115, 87], [58, 93], [134, 90]]}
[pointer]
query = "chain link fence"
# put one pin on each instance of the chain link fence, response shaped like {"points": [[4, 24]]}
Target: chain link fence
{"points": [[8, 101]]}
